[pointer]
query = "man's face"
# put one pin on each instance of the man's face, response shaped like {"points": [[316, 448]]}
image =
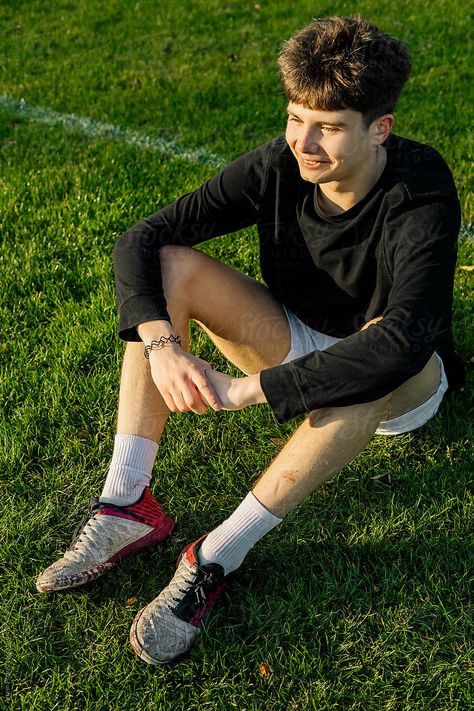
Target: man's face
{"points": [[330, 146]]}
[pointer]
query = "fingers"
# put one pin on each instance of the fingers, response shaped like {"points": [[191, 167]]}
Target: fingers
{"points": [[184, 385], [187, 397], [184, 400], [207, 391], [169, 402], [193, 401]]}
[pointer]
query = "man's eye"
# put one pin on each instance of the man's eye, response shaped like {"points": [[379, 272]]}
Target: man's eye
{"points": [[329, 129]]}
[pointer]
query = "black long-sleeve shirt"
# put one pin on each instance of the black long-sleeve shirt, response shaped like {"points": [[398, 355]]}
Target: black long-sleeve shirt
{"points": [[392, 254]]}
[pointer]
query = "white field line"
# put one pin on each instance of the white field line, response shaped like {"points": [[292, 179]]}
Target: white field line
{"points": [[92, 128]]}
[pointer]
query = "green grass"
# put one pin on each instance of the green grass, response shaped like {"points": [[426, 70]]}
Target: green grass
{"points": [[364, 602]]}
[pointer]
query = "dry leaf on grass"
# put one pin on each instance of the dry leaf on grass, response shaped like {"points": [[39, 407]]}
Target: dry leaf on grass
{"points": [[264, 670]]}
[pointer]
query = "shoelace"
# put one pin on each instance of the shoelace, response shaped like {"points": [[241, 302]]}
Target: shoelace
{"points": [[177, 593], [197, 588], [93, 506], [200, 593], [81, 535]]}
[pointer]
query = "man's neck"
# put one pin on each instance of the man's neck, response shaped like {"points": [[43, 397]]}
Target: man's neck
{"points": [[335, 198]]}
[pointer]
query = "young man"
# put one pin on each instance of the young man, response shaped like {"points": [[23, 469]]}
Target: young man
{"points": [[358, 234]]}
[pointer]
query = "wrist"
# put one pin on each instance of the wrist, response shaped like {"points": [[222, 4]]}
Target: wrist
{"points": [[158, 335], [156, 355], [154, 330], [249, 390], [163, 342]]}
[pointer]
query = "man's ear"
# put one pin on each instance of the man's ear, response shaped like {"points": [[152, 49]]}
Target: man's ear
{"points": [[381, 128]]}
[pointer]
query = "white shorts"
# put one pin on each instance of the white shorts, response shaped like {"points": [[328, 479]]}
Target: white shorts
{"points": [[306, 340]]}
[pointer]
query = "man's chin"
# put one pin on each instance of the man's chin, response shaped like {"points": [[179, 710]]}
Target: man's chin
{"points": [[309, 178]]}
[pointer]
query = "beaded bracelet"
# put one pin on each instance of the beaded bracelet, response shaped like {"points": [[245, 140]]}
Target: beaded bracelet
{"points": [[161, 343]]}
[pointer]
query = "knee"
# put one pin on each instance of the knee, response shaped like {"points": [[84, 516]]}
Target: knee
{"points": [[178, 264], [361, 418], [172, 254]]}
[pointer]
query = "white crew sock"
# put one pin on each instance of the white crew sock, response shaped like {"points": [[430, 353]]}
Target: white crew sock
{"points": [[130, 469], [229, 543]]}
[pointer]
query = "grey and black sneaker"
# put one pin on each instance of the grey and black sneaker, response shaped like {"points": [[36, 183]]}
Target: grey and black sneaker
{"points": [[109, 534], [168, 627]]}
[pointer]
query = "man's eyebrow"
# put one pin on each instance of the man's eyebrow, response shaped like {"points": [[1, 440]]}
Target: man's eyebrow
{"points": [[338, 124]]}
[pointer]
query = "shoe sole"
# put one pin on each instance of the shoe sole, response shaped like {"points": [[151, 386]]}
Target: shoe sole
{"points": [[86, 576]]}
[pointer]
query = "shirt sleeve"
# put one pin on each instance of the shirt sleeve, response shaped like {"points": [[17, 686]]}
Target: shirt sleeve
{"points": [[420, 249], [224, 204]]}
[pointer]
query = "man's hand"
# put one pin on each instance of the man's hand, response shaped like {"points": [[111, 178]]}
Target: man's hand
{"points": [[181, 379], [187, 383], [236, 393]]}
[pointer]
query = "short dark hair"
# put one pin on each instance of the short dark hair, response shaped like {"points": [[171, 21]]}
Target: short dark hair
{"points": [[344, 63]]}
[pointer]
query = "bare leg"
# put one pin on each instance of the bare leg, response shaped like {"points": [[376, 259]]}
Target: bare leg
{"points": [[321, 446], [142, 410], [325, 442], [331, 438], [240, 315]]}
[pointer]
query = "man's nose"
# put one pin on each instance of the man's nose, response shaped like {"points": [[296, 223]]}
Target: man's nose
{"points": [[307, 141]]}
